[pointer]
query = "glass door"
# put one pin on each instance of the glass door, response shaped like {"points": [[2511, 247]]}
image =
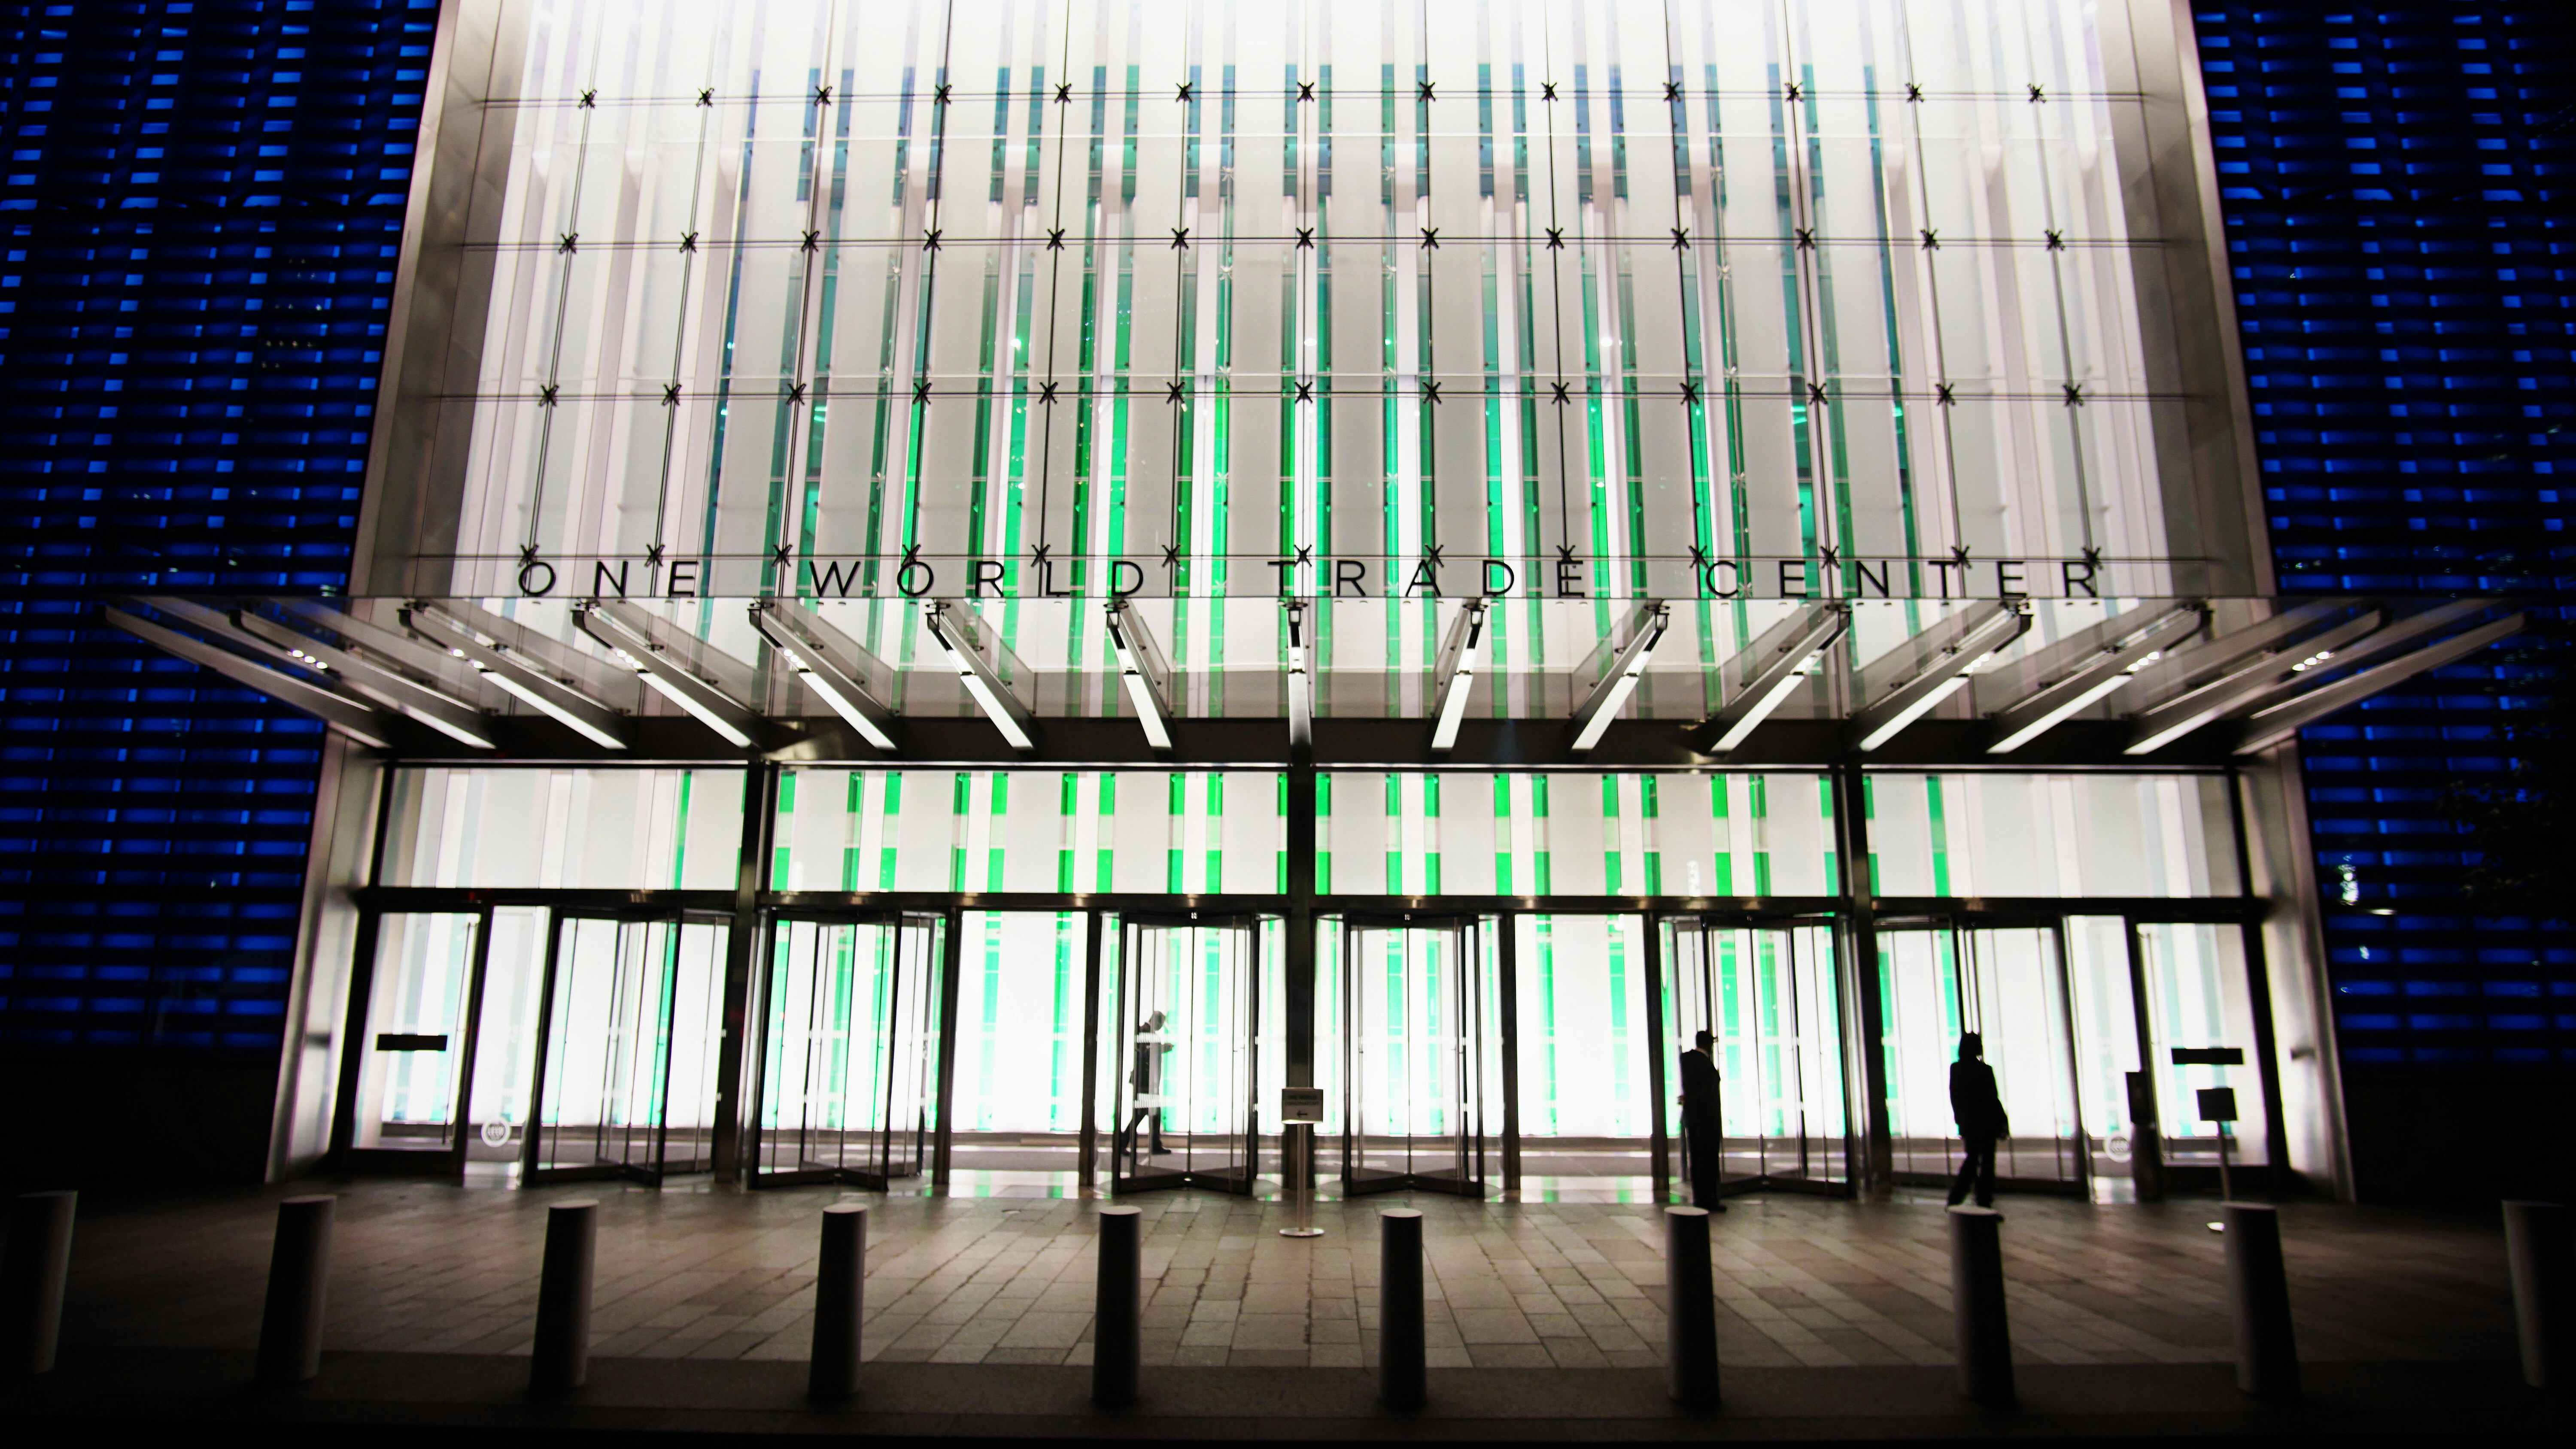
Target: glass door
{"points": [[1416, 999], [627, 1046], [413, 1048], [849, 1040], [1940, 980], [1768, 993], [1184, 1074], [2200, 1025]]}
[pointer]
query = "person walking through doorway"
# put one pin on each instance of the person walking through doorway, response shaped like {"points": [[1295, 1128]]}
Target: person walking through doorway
{"points": [[1146, 1077], [1703, 1132], [1979, 1110]]}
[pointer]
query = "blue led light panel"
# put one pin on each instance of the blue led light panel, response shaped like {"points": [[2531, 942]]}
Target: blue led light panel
{"points": [[202, 207]]}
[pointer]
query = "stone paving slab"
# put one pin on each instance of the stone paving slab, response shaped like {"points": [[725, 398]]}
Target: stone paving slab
{"points": [[147, 1394], [1803, 1282]]}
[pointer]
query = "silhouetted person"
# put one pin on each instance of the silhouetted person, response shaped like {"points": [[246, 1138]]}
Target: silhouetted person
{"points": [[1979, 1110], [1147, 1078], [1703, 1131]]}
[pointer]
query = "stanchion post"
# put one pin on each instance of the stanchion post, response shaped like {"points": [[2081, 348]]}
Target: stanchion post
{"points": [[2543, 1262], [1977, 1305], [2258, 1297], [299, 1279], [1399, 1309], [1117, 1319], [1690, 1307], [840, 1288], [1297, 1178], [562, 1358], [38, 1259]]}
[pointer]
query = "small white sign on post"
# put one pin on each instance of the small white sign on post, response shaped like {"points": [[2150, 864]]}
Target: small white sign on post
{"points": [[1301, 1104]]}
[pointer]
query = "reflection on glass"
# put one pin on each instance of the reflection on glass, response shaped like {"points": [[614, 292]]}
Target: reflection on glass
{"points": [[850, 1036]]}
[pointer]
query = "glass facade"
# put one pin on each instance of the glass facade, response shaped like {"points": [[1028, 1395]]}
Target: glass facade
{"points": [[1077, 565], [796, 294]]}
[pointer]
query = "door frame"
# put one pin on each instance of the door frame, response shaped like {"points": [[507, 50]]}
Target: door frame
{"points": [[365, 949], [1116, 924], [755, 1097], [1469, 927], [530, 1174], [1670, 1180]]}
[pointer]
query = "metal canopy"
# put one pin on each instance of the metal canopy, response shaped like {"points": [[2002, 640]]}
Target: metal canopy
{"points": [[1507, 683]]}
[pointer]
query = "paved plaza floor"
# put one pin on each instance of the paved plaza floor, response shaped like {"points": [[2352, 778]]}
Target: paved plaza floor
{"points": [[1801, 1281]]}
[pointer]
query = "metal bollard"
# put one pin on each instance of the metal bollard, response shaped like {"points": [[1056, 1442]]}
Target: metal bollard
{"points": [[840, 1288], [2543, 1264], [39, 1257], [299, 1277], [562, 1358], [1690, 1307], [1117, 1333], [1977, 1305], [2258, 1295], [1399, 1309]]}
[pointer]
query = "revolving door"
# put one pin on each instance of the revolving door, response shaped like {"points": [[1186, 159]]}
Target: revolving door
{"points": [[1187, 1070], [850, 1040], [1418, 997]]}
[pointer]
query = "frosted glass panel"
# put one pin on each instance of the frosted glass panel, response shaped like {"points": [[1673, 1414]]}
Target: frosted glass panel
{"points": [[2052, 835], [1475, 833], [1060, 831], [1019, 1023], [569, 829], [1584, 1065]]}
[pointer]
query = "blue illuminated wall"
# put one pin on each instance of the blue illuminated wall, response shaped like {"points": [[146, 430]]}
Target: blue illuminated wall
{"points": [[2395, 193], [201, 208]]}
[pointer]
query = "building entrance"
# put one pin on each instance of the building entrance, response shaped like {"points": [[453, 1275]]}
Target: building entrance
{"points": [[1770, 993], [1417, 1003], [1186, 1063], [850, 1037], [2007, 982], [628, 1033]]}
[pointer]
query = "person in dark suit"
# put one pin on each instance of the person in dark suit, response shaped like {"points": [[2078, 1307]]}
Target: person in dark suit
{"points": [[1703, 1132], [1979, 1110], [1147, 1078]]}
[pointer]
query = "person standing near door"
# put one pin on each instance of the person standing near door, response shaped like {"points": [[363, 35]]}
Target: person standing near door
{"points": [[1979, 1110], [1146, 1077], [1703, 1129]]}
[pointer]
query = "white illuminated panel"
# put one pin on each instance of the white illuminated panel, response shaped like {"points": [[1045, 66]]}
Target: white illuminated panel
{"points": [[708, 338]]}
